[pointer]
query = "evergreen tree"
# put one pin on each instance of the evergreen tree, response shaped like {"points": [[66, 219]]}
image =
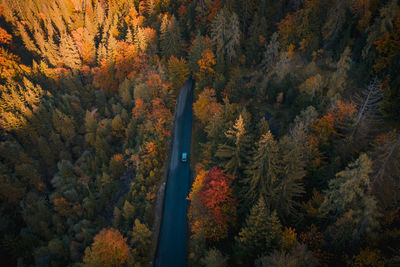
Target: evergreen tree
{"points": [[214, 258], [386, 155], [350, 202], [141, 238], [225, 33], [171, 40], [276, 174], [264, 170], [291, 181], [235, 155], [69, 53], [252, 237]]}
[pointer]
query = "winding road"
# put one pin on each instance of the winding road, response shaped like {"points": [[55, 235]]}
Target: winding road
{"points": [[171, 249]]}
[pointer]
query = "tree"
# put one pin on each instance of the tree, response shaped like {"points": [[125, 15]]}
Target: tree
{"points": [[206, 67], [367, 105], [108, 249], [339, 80], [271, 54], [214, 258], [264, 169], [235, 154], [276, 174], [260, 233], [118, 127], [206, 106], [386, 167], [212, 208], [145, 39], [141, 238], [5, 38], [291, 181], [369, 257], [225, 33], [350, 201], [199, 44], [69, 53], [170, 37], [178, 71], [298, 256], [336, 19]]}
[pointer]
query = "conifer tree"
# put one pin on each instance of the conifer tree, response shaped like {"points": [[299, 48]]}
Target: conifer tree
{"points": [[195, 52], [264, 170], [214, 258], [386, 155], [350, 202], [69, 53], [171, 40], [235, 154], [252, 237], [225, 33], [291, 180]]}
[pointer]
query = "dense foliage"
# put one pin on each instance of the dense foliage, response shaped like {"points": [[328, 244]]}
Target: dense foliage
{"points": [[296, 144]]}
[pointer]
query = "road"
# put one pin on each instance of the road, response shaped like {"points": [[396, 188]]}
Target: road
{"points": [[171, 249]]}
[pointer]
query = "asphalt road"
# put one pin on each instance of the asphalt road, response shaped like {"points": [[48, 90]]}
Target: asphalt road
{"points": [[171, 249]]}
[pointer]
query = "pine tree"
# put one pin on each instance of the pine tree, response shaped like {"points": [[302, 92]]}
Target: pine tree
{"points": [[235, 155], [386, 155], [252, 237], [338, 82], [141, 240], [290, 185], [225, 33], [128, 212], [90, 128], [276, 174], [271, 54], [69, 53], [214, 258], [274, 232], [178, 71], [195, 52], [171, 40], [264, 170], [350, 201]]}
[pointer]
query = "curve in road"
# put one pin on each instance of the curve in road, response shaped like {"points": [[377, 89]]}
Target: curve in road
{"points": [[171, 247]]}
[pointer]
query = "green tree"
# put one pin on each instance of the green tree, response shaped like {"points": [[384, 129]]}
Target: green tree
{"points": [[264, 169], [276, 174], [214, 258], [235, 154], [141, 238], [90, 128], [118, 127], [299, 256], [350, 202], [225, 33], [171, 40], [261, 230]]}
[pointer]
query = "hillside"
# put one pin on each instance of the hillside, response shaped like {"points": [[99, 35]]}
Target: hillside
{"points": [[295, 152]]}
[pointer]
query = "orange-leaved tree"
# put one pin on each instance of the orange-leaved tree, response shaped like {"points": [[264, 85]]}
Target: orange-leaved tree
{"points": [[206, 105], [108, 249]]}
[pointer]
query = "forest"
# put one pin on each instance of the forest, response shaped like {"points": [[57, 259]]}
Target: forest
{"points": [[295, 151]]}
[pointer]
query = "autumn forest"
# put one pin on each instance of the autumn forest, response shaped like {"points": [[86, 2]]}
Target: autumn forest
{"points": [[295, 146]]}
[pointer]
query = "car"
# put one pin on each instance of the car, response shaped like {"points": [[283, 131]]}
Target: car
{"points": [[184, 157]]}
